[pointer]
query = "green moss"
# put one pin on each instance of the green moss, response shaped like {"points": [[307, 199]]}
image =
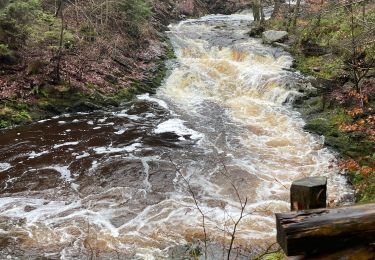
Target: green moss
{"points": [[147, 86], [170, 52], [318, 125], [5, 111], [330, 66], [277, 24], [365, 186], [63, 90], [279, 255], [21, 116], [13, 113], [338, 116], [88, 32], [4, 50], [4, 124], [327, 123]]}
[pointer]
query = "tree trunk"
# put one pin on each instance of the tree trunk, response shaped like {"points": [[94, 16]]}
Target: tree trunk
{"points": [[319, 231], [60, 10], [296, 14], [354, 65], [256, 10]]}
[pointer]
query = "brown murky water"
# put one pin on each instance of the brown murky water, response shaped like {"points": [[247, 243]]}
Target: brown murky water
{"points": [[103, 185]]}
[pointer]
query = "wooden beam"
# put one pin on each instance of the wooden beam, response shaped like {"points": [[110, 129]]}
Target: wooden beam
{"points": [[316, 231], [352, 253]]}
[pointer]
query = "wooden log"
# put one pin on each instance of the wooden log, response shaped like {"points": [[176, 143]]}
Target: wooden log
{"points": [[316, 231], [308, 193], [353, 253]]}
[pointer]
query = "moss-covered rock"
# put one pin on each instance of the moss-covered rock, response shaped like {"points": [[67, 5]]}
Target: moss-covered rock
{"points": [[326, 122], [14, 113]]}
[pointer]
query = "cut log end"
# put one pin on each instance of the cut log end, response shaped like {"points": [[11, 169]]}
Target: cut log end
{"points": [[309, 193]]}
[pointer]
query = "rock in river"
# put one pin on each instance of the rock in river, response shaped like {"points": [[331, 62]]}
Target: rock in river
{"points": [[274, 36]]}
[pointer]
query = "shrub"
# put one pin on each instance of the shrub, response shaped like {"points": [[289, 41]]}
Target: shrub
{"points": [[15, 17], [134, 13]]}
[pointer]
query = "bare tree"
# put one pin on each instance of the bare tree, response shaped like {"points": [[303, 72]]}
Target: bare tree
{"points": [[59, 12], [358, 66], [237, 222], [296, 14], [196, 205], [258, 10]]}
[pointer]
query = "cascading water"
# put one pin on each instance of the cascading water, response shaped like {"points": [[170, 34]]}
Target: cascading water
{"points": [[109, 184]]}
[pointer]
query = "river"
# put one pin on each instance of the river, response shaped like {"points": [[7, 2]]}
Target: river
{"points": [[120, 184]]}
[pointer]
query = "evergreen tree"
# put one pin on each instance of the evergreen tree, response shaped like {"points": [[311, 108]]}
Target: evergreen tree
{"points": [[134, 14]]}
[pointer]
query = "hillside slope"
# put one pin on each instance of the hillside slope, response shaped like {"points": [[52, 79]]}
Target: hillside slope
{"points": [[82, 56]]}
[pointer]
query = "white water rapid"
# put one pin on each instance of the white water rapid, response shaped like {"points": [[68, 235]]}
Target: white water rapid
{"points": [[115, 185]]}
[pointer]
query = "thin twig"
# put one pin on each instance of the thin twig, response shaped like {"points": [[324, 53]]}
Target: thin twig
{"points": [[267, 251], [243, 206], [196, 204], [280, 183]]}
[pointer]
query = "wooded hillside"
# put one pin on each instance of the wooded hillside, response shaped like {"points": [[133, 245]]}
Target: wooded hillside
{"points": [[73, 55]]}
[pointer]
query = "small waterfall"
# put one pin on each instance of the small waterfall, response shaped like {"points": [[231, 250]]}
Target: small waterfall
{"points": [[114, 184]]}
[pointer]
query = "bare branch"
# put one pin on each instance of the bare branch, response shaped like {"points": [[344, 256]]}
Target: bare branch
{"points": [[196, 204]]}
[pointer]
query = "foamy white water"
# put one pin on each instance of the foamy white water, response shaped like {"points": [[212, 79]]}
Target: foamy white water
{"points": [[114, 184]]}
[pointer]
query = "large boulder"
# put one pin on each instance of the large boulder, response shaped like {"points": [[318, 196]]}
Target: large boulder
{"points": [[272, 36]]}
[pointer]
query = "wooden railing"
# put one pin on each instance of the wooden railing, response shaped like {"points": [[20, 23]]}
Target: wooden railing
{"points": [[315, 230]]}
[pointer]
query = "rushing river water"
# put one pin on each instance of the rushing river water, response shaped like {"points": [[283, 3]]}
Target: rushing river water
{"points": [[108, 184]]}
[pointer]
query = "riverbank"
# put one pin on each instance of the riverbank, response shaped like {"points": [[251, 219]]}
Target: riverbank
{"points": [[71, 59], [342, 109], [48, 100], [355, 148]]}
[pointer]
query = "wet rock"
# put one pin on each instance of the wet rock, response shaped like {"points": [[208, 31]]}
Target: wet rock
{"points": [[29, 208], [286, 47], [308, 89], [256, 31], [10, 58], [309, 48], [316, 69], [321, 85], [272, 36], [84, 106]]}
